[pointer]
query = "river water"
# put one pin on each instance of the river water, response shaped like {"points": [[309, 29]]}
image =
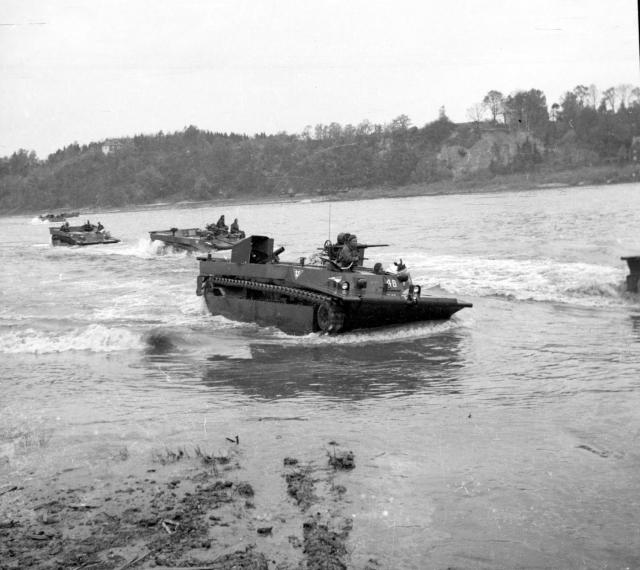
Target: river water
{"points": [[507, 437]]}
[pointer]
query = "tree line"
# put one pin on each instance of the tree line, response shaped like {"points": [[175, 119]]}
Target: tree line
{"points": [[586, 127]]}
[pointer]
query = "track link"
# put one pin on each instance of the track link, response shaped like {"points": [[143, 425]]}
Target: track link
{"points": [[300, 294]]}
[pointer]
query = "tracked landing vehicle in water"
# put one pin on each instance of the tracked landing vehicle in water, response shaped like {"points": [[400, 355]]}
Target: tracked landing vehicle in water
{"points": [[196, 239], [299, 297], [58, 217], [87, 234]]}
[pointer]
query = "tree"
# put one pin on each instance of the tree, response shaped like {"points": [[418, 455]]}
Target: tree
{"points": [[435, 133], [570, 108], [201, 188], [623, 91], [400, 123], [494, 101], [581, 93], [335, 131], [320, 132], [475, 113], [593, 96], [22, 161], [585, 125], [609, 98], [527, 110], [364, 128]]}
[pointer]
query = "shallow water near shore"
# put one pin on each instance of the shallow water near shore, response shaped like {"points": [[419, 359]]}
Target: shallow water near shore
{"points": [[506, 437]]}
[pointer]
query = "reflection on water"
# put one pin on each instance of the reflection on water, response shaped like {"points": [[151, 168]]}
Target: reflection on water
{"points": [[635, 325], [343, 372]]}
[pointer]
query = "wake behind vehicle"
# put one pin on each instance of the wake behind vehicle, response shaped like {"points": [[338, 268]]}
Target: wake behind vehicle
{"points": [[196, 239], [299, 298], [87, 234]]}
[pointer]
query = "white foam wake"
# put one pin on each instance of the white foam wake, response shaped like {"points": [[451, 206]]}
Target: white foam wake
{"points": [[94, 338], [147, 248], [523, 279], [392, 333]]}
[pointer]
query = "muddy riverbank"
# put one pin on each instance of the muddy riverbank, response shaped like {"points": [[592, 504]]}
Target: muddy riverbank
{"points": [[179, 508]]}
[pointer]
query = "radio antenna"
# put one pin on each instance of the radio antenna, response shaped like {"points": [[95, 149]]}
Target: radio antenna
{"points": [[329, 221]]}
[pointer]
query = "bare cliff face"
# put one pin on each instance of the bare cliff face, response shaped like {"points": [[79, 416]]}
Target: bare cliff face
{"points": [[494, 148]]}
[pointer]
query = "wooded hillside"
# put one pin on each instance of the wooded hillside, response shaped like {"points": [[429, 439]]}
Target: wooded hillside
{"points": [[586, 128]]}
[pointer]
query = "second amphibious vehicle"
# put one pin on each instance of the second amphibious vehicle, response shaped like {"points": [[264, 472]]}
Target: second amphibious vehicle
{"points": [[87, 234], [196, 239]]}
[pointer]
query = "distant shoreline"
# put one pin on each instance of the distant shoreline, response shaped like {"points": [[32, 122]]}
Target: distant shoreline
{"points": [[584, 176]]}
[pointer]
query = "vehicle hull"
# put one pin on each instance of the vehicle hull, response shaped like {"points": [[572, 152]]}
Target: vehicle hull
{"points": [[292, 319], [300, 319]]}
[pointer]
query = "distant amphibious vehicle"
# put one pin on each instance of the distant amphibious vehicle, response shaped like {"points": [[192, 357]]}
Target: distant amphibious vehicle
{"points": [[331, 295], [58, 217], [196, 239], [87, 234]]}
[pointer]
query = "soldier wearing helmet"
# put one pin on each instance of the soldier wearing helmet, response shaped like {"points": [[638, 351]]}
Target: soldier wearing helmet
{"points": [[349, 255]]}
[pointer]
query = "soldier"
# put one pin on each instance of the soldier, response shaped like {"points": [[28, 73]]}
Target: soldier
{"points": [[235, 228], [348, 255], [220, 224]]}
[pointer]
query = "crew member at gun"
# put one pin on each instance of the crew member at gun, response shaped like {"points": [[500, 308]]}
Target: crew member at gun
{"points": [[221, 225], [348, 255]]}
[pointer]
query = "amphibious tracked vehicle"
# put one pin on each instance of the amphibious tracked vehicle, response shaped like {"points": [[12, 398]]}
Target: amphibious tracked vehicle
{"points": [[58, 217], [196, 239], [253, 285], [87, 234]]}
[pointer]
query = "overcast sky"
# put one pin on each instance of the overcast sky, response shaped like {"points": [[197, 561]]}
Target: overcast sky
{"points": [[86, 70]]}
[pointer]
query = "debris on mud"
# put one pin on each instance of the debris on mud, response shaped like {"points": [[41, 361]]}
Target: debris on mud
{"points": [[341, 459], [325, 548], [598, 452], [300, 487], [326, 532], [244, 490]]}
